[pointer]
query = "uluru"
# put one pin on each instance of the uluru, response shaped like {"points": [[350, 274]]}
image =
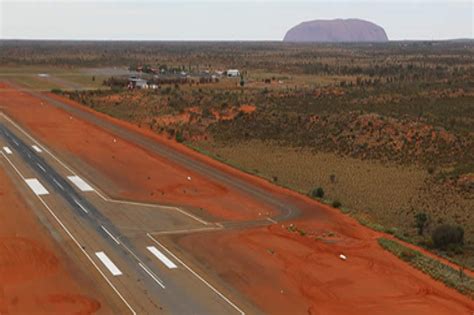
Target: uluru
{"points": [[336, 31]]}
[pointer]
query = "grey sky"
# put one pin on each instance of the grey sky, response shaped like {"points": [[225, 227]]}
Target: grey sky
{"points": [[225, 20]]}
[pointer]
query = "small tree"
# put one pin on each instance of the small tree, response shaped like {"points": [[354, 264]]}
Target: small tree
{"points": [[420, 221], [242, 82], [318, 192], [336, 204]]}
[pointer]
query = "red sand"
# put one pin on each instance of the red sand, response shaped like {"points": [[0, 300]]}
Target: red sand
{"points": [[285, 273], [34, 277], [282, 272]]}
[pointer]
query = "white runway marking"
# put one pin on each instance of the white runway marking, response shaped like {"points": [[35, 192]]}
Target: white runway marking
{"points": [[168, 263], [81, 206], [7, 150], [41, 167], [272, 220], [110, 234], [37, 149], [36, 186], [80, 183], [108, 263], [152, 275], [57, 183]]}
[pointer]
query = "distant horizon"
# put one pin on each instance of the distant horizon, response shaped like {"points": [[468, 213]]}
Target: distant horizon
{"points": [[234, 20], [229, 40]]}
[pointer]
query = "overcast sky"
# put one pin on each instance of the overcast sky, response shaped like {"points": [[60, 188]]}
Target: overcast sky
{"points": [[225, 19]]}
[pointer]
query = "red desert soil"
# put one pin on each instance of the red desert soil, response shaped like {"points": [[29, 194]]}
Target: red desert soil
{"points": [[286, 273], [34, 277], [281, 271]]}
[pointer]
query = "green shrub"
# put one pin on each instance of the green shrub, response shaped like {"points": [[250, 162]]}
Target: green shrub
{"points": [[179, 137], [447, 235], [336, 204], [318, 193], [56, 91]]}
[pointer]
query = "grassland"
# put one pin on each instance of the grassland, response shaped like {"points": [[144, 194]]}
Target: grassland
{"points": [[57, 77]]}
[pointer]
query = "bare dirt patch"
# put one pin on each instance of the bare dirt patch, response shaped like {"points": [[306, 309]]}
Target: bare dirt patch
{"points": [[286, 272]]}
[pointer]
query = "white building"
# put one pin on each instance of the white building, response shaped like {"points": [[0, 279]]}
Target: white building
{"points": [[233, 73], [137, 83]]}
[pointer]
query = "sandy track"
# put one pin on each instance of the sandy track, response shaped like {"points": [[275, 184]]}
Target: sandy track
{"points": [[279, 271]]}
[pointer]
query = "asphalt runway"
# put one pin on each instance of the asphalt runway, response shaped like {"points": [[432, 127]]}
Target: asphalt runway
{"points": [[116, 237]]}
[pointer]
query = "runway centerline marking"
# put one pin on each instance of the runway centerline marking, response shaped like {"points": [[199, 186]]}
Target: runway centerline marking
{"points": [[36, 148], [41, 167], [57, 183], [81, 206], [7, 150], [80, 183], [271, 220], [108, 263], [110, 234], [165, 260], [152, 275], [36, 186]]}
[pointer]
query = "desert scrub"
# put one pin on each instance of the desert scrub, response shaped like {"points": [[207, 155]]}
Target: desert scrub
{"points": [[451, 277]]}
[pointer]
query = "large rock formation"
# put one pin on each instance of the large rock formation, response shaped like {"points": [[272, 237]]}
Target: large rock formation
{"points": [[336, 31]]}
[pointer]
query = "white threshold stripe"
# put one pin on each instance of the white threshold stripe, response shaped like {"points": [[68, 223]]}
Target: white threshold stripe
{"points": [[108, 263], [80, 183], [37, 149], [110, 234], [7, 150], [168, 263], [36, 186], [152, 275], [81, 206]]}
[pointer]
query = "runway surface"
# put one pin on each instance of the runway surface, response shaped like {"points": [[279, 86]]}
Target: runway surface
{"points": [[115, 236]]}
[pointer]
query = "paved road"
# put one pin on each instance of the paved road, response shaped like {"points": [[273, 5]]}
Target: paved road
{"points": [[115, 235]]}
